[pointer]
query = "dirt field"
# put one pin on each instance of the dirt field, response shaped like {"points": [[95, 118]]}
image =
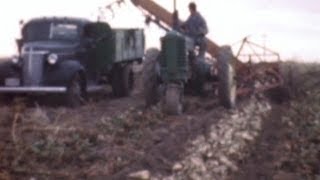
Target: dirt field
{"points": [[113, 138], [288, 148]]}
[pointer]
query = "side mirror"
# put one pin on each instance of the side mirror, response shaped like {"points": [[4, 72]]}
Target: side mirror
{"points": [[19, 43], [21, 22]]}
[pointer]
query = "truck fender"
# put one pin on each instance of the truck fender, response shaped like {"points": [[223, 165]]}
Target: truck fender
{"points": [[63, 72]]}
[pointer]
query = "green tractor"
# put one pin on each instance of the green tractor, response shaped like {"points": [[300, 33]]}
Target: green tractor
{"points": [[177, 66]]}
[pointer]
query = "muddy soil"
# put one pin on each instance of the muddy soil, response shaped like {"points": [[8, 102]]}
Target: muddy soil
{"points": [[288, 148], [112, 138], [108, 138], [263, 160], [104, 139]]}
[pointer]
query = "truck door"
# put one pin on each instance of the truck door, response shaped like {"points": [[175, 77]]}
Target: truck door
{"points": [[102, 47]]}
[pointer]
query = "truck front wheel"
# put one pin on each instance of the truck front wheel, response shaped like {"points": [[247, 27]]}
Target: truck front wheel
{"points": [[76, 92]]}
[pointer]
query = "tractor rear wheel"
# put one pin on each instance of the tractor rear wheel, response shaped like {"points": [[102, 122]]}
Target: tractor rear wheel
{"points": [[226, 74], [151, 84]]}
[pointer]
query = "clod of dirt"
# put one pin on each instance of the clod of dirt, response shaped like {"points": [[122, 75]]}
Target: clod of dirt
{"points": [[177, 167], [285, 176], [140, 175]]}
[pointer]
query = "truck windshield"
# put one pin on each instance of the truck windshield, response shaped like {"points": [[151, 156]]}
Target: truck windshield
{"points": [[41, 31]]}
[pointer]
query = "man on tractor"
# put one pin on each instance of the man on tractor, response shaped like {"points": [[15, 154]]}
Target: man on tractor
{"points": [[196, 28]]}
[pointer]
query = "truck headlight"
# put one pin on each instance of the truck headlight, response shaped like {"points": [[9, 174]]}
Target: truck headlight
{"points": [[52, 58], [15, 60]]}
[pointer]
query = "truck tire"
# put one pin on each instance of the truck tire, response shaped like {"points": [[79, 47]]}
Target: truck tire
{"points": [[150, 78], [172, 102], [76, 91], [122, 80], [226, 74]]}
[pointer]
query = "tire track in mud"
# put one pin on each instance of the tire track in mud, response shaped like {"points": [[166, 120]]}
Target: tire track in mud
{"points": [[266, 150]]}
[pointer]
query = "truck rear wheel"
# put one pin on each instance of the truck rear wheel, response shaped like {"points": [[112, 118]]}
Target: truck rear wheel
{"points": [[226, 74], [76, 92], [122, 80], [151, 82], [172, 103]]}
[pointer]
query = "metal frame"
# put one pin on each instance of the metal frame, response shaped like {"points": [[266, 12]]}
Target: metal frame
{"points": [[266, 74], [267, 53]]}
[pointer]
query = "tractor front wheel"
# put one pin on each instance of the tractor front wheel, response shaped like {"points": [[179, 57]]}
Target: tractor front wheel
{"points": [[172, 102]]}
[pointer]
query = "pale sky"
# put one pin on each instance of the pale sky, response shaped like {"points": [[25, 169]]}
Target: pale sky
{"points": [[292, 27]]}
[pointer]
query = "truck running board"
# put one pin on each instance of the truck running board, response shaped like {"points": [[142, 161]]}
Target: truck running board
{"points": [[45, 89], [33, 89]]}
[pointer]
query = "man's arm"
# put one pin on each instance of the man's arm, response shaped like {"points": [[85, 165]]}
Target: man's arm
{"points": [[202, 25], [185, 25]]}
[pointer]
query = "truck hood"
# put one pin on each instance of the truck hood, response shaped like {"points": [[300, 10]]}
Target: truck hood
{"points": [[52, 47]]}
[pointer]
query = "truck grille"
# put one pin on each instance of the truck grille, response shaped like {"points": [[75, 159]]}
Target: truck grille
{"points": [[32, 68]]}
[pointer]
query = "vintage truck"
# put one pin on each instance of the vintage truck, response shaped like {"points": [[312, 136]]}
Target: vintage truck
{"points": [[72, 56]]}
